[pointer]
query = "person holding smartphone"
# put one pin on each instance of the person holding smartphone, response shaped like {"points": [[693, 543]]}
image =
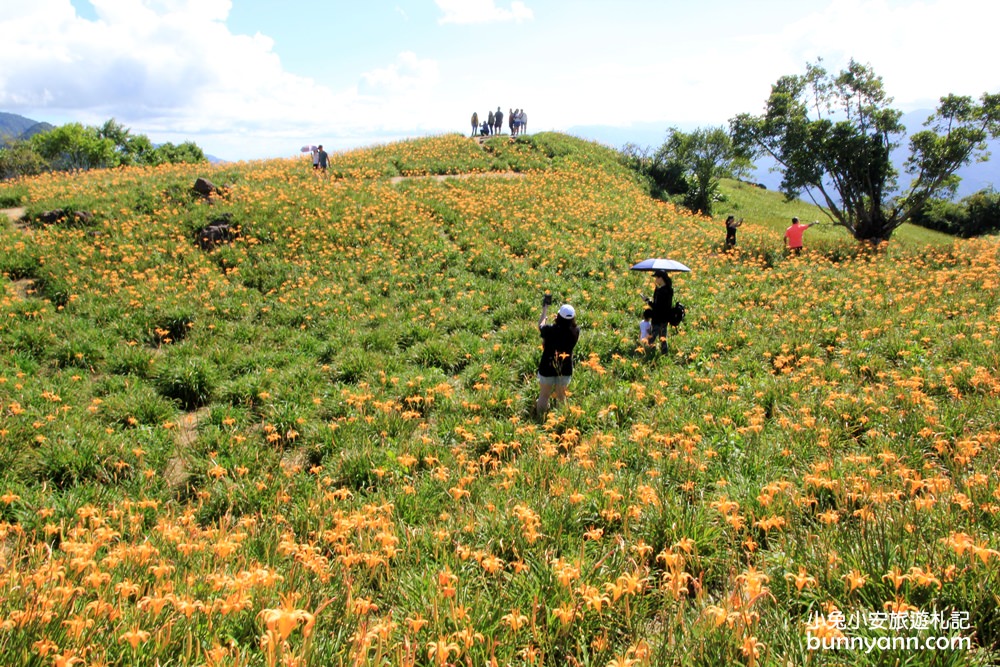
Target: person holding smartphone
{"points": [[555, 370]]}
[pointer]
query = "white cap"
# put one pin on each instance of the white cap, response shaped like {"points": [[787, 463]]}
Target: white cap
{"points": [[566, 311]]}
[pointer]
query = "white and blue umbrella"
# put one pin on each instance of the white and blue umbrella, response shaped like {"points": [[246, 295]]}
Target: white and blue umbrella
{"points": [[660, 264]]}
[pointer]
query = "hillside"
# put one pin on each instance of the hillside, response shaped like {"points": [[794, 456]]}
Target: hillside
{"points": [[315, 444], [770, 209]]}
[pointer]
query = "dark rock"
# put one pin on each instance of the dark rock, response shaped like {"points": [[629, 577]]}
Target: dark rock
{"points": [[83, 218], [205, 187], [66, 216], [52, 217], [217, 233]]}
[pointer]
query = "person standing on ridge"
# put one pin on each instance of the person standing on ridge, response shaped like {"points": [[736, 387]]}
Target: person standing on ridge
{"points": [[489, 122], [475, 123], [498, 122]]}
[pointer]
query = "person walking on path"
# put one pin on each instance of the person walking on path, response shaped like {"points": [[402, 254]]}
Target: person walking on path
{"points": [[555, 370], [323, 157], [475, 123], [731, 225], [315, 156], [662, 304], [793, 236], [498, 122]]}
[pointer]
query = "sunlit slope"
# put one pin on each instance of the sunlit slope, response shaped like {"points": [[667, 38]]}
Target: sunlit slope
{"points": [[772, 209], [315, 444]]}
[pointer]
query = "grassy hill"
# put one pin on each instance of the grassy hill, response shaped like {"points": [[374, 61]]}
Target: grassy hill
{"points": [[770, 208], [315, 444]]}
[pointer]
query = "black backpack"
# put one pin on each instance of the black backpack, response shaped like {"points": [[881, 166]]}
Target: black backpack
{"points": [[677, 314]]}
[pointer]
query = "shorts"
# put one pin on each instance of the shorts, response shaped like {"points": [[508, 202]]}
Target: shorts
{"points": [[554, 380]]}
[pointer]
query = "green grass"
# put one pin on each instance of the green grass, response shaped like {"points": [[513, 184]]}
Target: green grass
{"points": [[333, 415]]}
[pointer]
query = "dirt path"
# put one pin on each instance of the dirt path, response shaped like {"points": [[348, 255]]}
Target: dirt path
{"points": [[187, 432], [24, 288], [13, 213], [445, 177]]}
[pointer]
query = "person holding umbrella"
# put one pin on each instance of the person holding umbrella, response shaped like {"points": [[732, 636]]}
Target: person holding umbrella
{"points": [[555, 370], [662, 304]]}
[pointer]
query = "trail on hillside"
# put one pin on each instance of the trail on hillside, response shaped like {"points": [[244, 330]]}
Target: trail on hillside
{"points": [[444, 177], [13, 214]]}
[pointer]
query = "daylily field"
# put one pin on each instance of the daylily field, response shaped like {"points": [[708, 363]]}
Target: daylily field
{"points": [[315, 445]]}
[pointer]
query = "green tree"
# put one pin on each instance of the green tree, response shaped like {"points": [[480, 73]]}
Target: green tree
{"points": [[130, 149], [703, 157], [186, 152], [664, 178], [833, 135], [74, 146], [18, 158]]}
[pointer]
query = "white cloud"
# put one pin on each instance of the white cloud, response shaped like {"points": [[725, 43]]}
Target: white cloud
{"points": [[173, 70], [922, 50], [481, 11], [408, 73]]}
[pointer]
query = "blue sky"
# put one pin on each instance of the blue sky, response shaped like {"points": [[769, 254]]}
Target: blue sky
{"points": [[249, 79]]}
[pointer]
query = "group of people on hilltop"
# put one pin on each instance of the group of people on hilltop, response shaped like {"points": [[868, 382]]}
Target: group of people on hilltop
{"points": [[493, 124]]}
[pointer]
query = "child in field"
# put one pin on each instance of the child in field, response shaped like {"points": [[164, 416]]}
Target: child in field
{"points": [[646, 327]]}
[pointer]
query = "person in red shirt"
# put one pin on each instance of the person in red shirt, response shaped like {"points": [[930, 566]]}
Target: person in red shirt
{"points": [[793, 235]]}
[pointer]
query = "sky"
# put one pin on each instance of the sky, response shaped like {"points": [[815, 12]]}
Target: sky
{"points": [[253, 79]]}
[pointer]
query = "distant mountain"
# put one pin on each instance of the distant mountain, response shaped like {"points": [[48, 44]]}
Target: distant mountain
{"points": [[37, 128], [13, 126], [651, 135]]}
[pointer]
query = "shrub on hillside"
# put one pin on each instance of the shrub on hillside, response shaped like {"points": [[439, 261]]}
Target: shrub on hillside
{"points": [[663, 178], [189, 381], [12, 197], [975, 215]]}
